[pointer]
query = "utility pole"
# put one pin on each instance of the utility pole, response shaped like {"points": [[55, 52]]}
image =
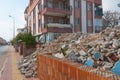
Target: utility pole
{"points": [[13, 25]]}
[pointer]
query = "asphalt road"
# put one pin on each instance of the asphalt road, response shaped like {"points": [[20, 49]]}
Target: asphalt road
{"points": [[3, 49]]}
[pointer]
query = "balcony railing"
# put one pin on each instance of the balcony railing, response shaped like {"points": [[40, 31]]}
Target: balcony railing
{"points": [[58, 25], [54, 6]]}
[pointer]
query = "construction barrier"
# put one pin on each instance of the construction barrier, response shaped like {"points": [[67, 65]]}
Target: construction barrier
{"points": [[50, 68]]}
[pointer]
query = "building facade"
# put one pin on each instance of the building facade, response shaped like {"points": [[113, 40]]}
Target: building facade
{"points": [[22, 30], [49, 18]]}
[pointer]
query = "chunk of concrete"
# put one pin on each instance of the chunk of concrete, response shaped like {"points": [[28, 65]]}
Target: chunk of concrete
{"points": [[59, 55]]}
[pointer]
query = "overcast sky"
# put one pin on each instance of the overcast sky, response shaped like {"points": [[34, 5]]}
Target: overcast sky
{"points": [[16, 9], [111, 5]]}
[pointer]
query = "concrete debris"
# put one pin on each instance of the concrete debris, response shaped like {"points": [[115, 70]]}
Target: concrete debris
{"points": [[107, 66], [82, 53], [116, 43], [27, 65], [59, 55], [100, 50]]}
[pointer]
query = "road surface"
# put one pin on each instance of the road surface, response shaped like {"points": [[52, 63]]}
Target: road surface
{"points": [[3, 55], [3, 50]]}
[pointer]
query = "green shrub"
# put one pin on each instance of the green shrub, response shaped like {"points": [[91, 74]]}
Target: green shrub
{"points": [[26, 37]]}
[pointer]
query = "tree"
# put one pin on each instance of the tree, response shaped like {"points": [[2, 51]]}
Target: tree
{"points": [[26, 37], [110, 19]]}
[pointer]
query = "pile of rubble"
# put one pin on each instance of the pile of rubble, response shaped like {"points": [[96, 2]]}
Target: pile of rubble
{"points": [[28, 66], [101, 50]]}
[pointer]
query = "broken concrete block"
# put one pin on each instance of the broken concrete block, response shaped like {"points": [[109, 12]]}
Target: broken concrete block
{"points": [[59, 55], [25, 64], [81, 59], [116, 43], [112, 34], [81, 52], [29, 74], [107, 66], [106, 44], [69, 53], [90, 50], [118, 51], [73, 57]]}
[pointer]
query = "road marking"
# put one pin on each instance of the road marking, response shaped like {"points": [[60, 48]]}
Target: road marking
{"points": [[3, 67]]}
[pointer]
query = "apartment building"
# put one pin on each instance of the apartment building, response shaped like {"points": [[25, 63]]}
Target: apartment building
{"points": [[22, 30], [47, 19]]}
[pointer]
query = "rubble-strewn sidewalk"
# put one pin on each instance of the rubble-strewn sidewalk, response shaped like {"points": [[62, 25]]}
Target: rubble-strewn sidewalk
{"points": [[10, 71]]}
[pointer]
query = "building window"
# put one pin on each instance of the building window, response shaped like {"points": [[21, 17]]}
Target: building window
{"points": [[60, 5], [89, 6], [66, 6], [50, 20], [77, 4], [61, 21], [89, 22], [39, 25], [98, 10], [56, 35], [77, 21], [98, 24], [34, 28], [50, 3], [98, 28]]}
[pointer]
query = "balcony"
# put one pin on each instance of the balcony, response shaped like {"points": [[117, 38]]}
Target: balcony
{"points": [[57, 28], [59, 25], [98, 29], [98, 1], [56, 10], [98, 10]]}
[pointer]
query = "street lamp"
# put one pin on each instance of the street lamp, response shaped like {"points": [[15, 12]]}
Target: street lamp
{"points": [[13, 25]]}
